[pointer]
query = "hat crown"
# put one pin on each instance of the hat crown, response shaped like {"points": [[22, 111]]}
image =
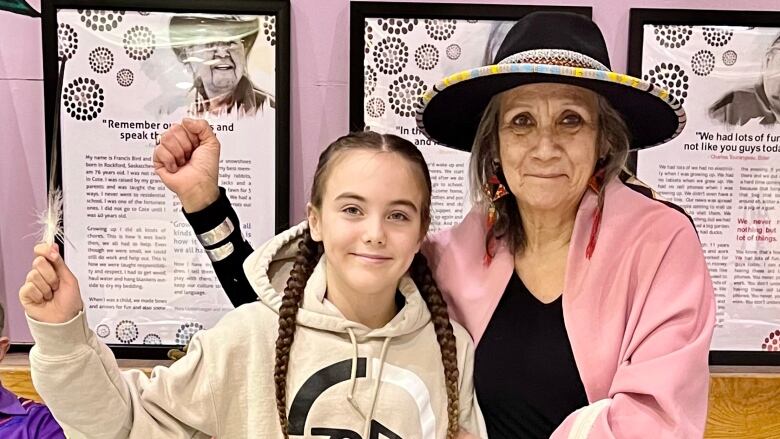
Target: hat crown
{"points": [[555, 30]]}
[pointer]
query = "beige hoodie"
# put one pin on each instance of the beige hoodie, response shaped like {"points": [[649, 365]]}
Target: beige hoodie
{"points": [[345, 380]]}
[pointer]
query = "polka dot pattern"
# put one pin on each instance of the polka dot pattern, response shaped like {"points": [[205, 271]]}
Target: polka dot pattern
{"points": [[426, 56], [269, 29], [703, 62], [186, 331], [139, 43], [440, 30], [671, 77], [672, 36], [375, 107], [369, 80], [404, 93], [716, 36], [67, 41], [397, 26], [126, 331], [152, 339], [124, 77], [83, 99], [369, 38], [101, 60], [103, 330], [453, 51], [100, 20], [391, 55], [729, 57], [772, 342]]}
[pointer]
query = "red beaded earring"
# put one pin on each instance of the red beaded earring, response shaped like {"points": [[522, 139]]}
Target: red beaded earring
{"points": [[494, 190], [595, 183]]}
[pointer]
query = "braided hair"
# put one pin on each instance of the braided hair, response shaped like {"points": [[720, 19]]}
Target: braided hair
{"points": [[310, 251], [423, 278]]}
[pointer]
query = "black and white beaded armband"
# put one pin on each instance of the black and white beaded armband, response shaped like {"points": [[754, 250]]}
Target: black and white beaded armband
{"points": [[217, 228]]}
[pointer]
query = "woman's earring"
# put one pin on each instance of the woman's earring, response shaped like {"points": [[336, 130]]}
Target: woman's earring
{"points": [[597, 179], [596, 183], [494, 190]]}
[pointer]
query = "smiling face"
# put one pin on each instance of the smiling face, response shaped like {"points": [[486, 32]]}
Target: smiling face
{"points": [[219, 65], [547, 144], [369, 221]]}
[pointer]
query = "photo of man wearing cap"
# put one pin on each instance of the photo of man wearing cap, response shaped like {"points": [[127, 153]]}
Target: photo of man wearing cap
{"points": [[214, 49]]}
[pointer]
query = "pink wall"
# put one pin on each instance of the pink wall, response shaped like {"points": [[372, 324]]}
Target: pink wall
{"points": [[319, 85]]}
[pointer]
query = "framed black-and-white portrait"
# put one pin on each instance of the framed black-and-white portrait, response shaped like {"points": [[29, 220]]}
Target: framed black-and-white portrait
{"points": [[724, 169], [130, 69]]}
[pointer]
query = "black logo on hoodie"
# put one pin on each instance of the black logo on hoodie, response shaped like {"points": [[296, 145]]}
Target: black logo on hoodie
{"points": [[318, 383]]}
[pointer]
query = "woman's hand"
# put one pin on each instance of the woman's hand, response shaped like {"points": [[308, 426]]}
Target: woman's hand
{"points": [[187, 162], [50, 293]]}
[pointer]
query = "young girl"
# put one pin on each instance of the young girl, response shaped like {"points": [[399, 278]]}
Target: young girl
{"points": [[347, 349]]}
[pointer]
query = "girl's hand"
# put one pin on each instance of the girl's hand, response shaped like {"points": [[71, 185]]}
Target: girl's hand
{"points": [[187, 162], [50, 293]]}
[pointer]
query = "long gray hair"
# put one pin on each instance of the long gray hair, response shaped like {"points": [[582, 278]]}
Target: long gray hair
{"points": [[612, 142]]}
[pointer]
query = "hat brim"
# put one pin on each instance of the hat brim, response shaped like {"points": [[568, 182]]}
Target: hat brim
{"points": [[450, 113], [192, 30]]}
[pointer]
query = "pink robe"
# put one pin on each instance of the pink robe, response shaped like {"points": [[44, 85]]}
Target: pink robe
{"points": [[639, 313]]}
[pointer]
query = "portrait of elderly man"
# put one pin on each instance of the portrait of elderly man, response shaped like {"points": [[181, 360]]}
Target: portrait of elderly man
{"points": [[214, 48], [760, 101]]}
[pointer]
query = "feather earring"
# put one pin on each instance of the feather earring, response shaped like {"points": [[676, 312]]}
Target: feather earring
{"points": [[595, 184], [494, 190]]}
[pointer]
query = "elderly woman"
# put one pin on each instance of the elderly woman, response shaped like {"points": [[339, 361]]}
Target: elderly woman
{"points": [[589, 301]]}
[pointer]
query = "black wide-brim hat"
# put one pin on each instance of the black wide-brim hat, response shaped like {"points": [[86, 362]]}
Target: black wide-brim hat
{"points": [[191, 29], [548, 47]]}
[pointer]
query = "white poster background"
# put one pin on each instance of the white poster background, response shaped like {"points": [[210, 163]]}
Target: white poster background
{"points": [[403, 57], [144, 277], [725, 175]]}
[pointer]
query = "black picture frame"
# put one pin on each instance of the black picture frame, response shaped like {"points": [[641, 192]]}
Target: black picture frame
{"points": [[280, 9], [360, 11], [639, 17]]}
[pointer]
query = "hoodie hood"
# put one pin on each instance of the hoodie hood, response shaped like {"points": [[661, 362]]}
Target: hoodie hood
{"points": [[268, 269]]}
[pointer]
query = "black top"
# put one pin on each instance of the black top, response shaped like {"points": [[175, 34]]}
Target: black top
{"points": [[525, 376]]}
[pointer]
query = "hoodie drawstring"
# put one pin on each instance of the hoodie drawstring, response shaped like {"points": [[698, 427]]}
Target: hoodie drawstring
{"points": [[375, 393], [353, 373], [377, 380]]}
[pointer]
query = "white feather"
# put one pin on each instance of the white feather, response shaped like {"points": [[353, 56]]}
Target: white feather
{"points": [[51, 218]]}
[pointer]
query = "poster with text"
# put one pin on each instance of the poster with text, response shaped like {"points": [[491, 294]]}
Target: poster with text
{"points": [[724, 168], [128, 76]]}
